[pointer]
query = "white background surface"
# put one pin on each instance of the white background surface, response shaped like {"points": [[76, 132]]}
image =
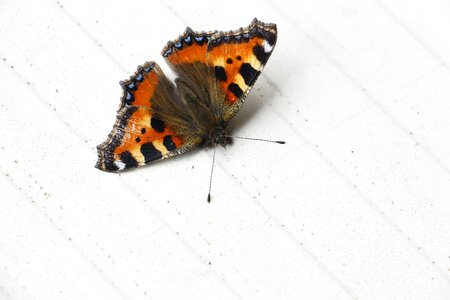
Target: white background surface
{"points": [[355, 205]]}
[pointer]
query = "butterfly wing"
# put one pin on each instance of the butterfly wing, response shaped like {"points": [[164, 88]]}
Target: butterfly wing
{"points": [[187, 56], [238, 57], [151, 123], [221, 67]]}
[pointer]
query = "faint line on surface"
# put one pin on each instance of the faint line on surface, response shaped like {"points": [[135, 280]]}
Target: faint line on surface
{"points": [[60, 232], [29, 83], [371, 204], [152, 209], [365, 91], [411, 33], [158, 215], [425, 149], [359, 192], [349, 118], [88, 34], [304, 248], [309, 254], [419, 78], [185, 243], [337, 171], [173, 11], [109, 55], [288, 233], [45, 102]]}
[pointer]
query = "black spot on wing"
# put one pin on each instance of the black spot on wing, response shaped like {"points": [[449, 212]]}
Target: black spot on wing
{"points": [[150, 152], [220, 73], [260, 54], [128, 160], [157, 124], [168, 143], [248, 73], [235, 89], [110, 166]]}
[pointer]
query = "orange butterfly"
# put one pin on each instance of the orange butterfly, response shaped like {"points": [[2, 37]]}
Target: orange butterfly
{"points": [[158, 119]]}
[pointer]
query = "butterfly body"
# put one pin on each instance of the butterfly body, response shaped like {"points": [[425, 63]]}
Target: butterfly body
{"points": [[158, 119]]}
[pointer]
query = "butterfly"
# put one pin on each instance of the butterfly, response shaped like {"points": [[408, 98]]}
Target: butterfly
{"points": [[158, 119]]}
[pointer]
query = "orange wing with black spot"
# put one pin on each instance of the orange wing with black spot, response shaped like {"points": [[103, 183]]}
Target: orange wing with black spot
{"points": [[140, 88], [187, 56], [143, 132], [238, 58], [225, 65], [189, 48]]}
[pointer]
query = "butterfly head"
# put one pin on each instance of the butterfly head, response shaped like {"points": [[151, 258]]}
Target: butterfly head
{"points": [[220, 137]]}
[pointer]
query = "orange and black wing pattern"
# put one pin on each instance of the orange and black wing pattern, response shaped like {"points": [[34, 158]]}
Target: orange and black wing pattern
{"points": [[226, 64], [238, 57], [140, 135], [157, 119], [187, 56], [189, 48]]}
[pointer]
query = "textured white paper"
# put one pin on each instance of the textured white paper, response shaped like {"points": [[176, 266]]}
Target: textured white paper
{"points": [[355, 205]]}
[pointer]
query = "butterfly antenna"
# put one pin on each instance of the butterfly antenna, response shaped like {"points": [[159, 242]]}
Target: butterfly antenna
{"points": [[211, 176], [255, 139]]}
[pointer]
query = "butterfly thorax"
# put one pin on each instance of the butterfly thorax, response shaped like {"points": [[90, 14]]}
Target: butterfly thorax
{"points": [[205, 107]]}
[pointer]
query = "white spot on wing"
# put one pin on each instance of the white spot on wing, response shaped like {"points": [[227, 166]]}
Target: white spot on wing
{"points": [[120, 164], [267, 47]]}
